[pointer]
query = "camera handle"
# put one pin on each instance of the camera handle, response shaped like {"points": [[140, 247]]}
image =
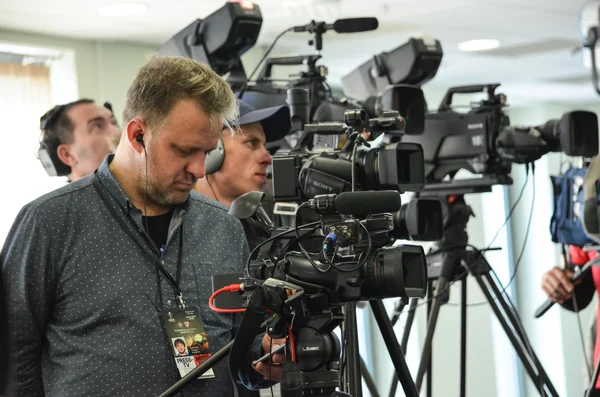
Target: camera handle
{"points": [[590, 43], [467, 89], [266, 72]]}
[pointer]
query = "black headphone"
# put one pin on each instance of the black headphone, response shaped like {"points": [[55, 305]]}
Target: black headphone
{"points": [[48, 150]]}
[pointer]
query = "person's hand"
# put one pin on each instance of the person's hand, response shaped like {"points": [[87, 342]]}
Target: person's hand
{"points": [[557, 284], [274, 372]]}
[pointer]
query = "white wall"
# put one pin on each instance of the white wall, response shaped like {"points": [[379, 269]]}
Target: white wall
{"points": [[104, 70]]}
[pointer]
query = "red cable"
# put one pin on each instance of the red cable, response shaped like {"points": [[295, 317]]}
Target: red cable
{"points": [[292, 342], [236, 288], [229, 288]]}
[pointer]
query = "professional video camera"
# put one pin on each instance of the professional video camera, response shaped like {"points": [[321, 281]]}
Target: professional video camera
{"points": [[392, 80], [322, 106], [373, 272], [483, 142], [311, 168], [225, 35], [302, 173], [220, 39], [307, 290]]}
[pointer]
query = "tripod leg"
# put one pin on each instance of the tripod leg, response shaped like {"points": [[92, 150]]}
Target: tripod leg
{"points": [[430, 363], [409, 320], [435, 309], [463, 338], [368, 379], [397, 311], [594, 381], [387, 331], [353, 377], [496, 300], [514, 321], [404, 344], [344, 386]]}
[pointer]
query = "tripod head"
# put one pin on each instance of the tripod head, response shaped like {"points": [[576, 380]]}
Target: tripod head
{"points": [[318, 352], [308, 321], [450, 250]]}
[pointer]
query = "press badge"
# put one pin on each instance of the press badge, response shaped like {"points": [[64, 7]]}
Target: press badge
{"points": [[187, 339]]}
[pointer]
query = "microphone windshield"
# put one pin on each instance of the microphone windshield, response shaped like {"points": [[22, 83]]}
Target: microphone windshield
{"points": [[353, 25], [369, 202]]}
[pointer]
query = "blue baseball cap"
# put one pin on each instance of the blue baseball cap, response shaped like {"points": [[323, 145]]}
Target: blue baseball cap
{"points": [[275, 120]]}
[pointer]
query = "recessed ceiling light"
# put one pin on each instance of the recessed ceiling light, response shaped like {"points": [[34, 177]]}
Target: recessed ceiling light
{"points": [[122, 10], [479, 45]]}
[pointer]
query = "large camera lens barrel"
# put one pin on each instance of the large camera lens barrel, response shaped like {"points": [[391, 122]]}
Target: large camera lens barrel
{"points": [[299, 102], [394, 272]]}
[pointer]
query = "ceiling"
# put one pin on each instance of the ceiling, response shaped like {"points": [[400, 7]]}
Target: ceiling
{"points": [[535, 60]]}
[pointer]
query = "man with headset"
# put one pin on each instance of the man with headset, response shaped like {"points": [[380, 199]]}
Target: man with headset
{"points": [[103, 273], [76, 138], [240, 162]]}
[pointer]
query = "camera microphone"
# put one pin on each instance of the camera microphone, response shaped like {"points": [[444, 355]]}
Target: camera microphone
{"points": [[357, 203], [354, 25], [345, 25]]}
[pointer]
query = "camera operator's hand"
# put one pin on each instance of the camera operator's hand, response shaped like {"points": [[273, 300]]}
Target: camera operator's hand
{"points": [[557, 284], [274, 372]]}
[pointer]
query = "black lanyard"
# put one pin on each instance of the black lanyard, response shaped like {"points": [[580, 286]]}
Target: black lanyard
{"points": [[158, 262], [175, 283]]}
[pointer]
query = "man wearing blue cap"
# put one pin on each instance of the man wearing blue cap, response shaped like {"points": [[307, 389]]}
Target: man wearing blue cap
{"points": [[239, 163]]}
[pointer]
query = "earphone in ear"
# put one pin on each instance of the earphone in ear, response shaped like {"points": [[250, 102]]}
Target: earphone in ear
{"points": [[214, 158], [140, 139]]}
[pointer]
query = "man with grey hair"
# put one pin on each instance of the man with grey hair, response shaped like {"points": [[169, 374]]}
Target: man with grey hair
{"points": [[103, 274]]}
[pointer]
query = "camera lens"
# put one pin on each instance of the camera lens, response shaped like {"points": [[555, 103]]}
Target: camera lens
{"points": [[356, 118]]}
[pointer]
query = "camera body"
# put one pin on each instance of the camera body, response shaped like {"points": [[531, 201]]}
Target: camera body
{"points": [[483, 142], [454, 141], [351, 255], [395, 165], [388, 272]]}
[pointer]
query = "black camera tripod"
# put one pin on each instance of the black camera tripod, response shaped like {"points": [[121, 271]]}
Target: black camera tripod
{"points": [[453, 262]]}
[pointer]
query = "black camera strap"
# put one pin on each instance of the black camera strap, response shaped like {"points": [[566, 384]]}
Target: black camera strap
{"points": [[129, 230], [250, 327]]}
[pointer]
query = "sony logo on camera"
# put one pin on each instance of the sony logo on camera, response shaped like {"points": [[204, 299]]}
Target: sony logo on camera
{"points": [[321, 185], [475, 126]]}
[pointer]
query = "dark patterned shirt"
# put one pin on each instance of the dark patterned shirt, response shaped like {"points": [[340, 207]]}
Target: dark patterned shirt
{"points": [[84, 296]]}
